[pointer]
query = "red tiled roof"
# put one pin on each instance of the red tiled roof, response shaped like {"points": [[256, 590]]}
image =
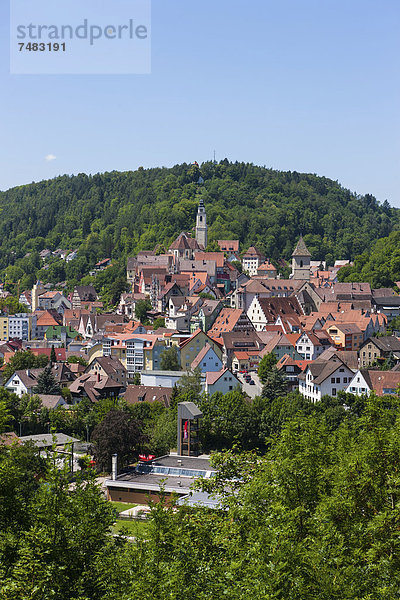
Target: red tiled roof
{"points": [[229, 245], [227, 319], [217, 257]]}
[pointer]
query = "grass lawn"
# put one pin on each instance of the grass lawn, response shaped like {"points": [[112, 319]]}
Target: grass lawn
{"points": [[120, 506], [134, 528]]}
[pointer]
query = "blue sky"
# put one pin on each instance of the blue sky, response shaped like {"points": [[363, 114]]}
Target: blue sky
{"points": [[304, 85]]}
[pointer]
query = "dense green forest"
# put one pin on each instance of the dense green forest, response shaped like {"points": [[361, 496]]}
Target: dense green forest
{"points": [[318, 516], [380, 267], [116, 214]]}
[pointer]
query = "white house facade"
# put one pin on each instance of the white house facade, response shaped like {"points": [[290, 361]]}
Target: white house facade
{"points": [[324, 378]]}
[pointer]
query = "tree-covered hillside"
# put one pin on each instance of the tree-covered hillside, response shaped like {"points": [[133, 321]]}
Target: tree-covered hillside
{"points": [[380, 267], [116, 214]]}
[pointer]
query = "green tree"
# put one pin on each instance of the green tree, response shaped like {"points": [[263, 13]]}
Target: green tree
{"points": [[51, 540], [162, 433], [169, 360], [266, 365], [160, 322], [66, 394], [227, 422], [5, 416], [73, 360], [53, 357], [118, 433], [275, 384], [46, 383], [189, 386], [22, 360], [142, 307]]}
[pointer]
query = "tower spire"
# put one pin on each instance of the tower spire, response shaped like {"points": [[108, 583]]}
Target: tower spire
{"points": [[201, 225]]}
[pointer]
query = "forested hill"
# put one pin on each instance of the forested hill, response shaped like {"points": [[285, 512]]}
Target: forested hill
{"points": [[116, 214]]}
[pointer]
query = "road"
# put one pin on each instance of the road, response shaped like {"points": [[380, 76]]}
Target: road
{"points": [[251, 390]]}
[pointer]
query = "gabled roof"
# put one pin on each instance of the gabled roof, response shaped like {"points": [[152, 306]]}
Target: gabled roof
{"points": [[61, 353], [346, 328], [229, 245], [322, 369], [193, 336], [385, 343], [237, 340], [209, 306], [51, 400], [109, 365], [184, 242], [213, 376], [276, 306], [48, 318], [348, 357], [381, 380], [144, 393], [287, 360], [203, 352], [301, 248], [228, 319], [266, 266], [93, 385], [253, 252], [217, 257]]}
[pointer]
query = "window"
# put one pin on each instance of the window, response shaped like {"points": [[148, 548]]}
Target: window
{"points": [[333, 391], [337, 379], [341, 370], [332, 380]]}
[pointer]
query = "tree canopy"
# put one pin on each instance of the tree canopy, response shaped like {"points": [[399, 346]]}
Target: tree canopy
{"points": [[117, 214], [118, 433], [169, 360], [379, 266]]}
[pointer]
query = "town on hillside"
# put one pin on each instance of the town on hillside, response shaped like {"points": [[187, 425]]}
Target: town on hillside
{"points": [[218, 314]]}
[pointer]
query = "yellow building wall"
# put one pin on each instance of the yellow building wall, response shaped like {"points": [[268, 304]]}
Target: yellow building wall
{"points": [[4, 329], [193, 347], [95, 351], [339, 337]]}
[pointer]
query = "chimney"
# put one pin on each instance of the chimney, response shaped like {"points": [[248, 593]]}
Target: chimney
{"points": [[114, 459], [28, 372]]}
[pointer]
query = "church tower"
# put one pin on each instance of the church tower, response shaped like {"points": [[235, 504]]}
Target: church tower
{"points": [[301, 261], [201, 225]]}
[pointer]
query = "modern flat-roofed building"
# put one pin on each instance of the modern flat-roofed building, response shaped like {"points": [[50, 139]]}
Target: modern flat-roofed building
{"points": [[173, 473]]}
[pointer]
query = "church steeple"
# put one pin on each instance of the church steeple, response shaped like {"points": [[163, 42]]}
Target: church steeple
{"points": [[301, 261], [201, 225]]}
